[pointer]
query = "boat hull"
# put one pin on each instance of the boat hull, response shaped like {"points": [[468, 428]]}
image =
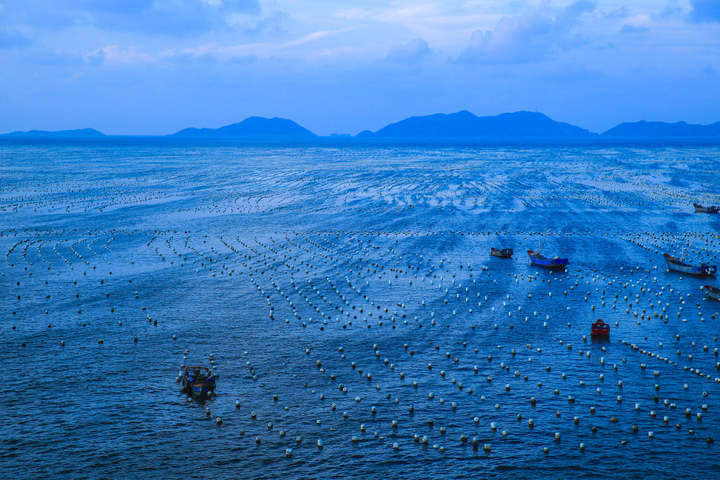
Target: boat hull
{"points": [[551, 263], [198, 383], [504, 253], [600, 329], [712, 292], [712, 209], [200, 392], [676, 265]]}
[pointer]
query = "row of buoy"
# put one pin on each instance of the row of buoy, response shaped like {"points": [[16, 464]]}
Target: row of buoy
{"points": [[334, 293]]}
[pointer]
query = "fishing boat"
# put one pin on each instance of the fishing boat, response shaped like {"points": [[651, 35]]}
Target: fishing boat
{"points": [[501, 253], [539, 260], [198, 382], [600, 329], [712, 292], [677, 265], [711, 209]]}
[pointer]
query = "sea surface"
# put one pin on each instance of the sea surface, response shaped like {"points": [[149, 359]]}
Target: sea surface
{"points": [[348, 301]]}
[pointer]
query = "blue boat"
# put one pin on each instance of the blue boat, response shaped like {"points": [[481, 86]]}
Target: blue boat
{"points": [[198, 382], [539, 260], [677, 265]]}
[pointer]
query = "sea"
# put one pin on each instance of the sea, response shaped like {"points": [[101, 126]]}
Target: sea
{"points": [[346, 299]]}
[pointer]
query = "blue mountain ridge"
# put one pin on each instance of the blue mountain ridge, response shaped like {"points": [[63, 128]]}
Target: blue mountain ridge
{"points": [[645, 129], [78, 133], [252, 127], [454, 126], [465, 124]]}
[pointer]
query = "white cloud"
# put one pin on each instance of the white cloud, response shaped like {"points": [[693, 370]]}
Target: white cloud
{"points": [[526, 38], [113, 54], [254, 49], [411, 51]]}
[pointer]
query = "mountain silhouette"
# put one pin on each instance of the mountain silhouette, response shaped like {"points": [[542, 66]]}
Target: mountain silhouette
{"points": [[253, 127], [460, 126], [645, 129], [465, 124], [79, 133]]}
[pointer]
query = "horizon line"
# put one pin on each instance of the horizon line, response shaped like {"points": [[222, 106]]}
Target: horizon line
{"points": [[40, 131]]}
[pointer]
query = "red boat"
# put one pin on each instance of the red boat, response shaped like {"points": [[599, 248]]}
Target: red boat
{"points": [[712, 292], [600, 329]]}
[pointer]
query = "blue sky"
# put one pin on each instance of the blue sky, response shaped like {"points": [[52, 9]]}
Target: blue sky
{"points": [[155, 66]]}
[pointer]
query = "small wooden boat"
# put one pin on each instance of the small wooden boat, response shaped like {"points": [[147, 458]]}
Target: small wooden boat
{"points": [[677, 265], [198, 382], [711, 209], [501, 253], [537, 259], [600, 329], [712, 292]]}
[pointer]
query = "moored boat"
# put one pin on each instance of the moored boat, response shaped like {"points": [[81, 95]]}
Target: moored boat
{"points": [[538, 259], [712, 292], [501, 253], [600, 329], [677, 265], [198, 382], [710, 209]]}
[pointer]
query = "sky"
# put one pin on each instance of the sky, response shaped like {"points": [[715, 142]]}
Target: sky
{"points": [[157, 66]]}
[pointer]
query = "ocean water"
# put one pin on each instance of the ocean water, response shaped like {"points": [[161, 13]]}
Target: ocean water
{"points": [[347, 297]]}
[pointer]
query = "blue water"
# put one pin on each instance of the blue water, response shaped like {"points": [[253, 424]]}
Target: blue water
{"points": [[303, 269]]}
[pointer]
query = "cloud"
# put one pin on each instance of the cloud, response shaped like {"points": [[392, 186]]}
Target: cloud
{"points": [[617, 13], [671, 11], [576, 9], [10, 38], [168, 17], [637, 24], [630, 28], [412, 51], [705, 10], [115, 54], [253, 25], [520, 39], [253, 50]]}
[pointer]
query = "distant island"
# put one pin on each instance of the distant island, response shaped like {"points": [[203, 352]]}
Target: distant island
{"points": [[663, 130], [456, 127], [469, 126], [79, 133], [252, 128]]}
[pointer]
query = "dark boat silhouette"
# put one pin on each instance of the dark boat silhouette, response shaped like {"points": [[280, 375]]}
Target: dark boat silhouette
{"points": [[198, 382], [600, 329], [501, 253], [710, 209]]}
